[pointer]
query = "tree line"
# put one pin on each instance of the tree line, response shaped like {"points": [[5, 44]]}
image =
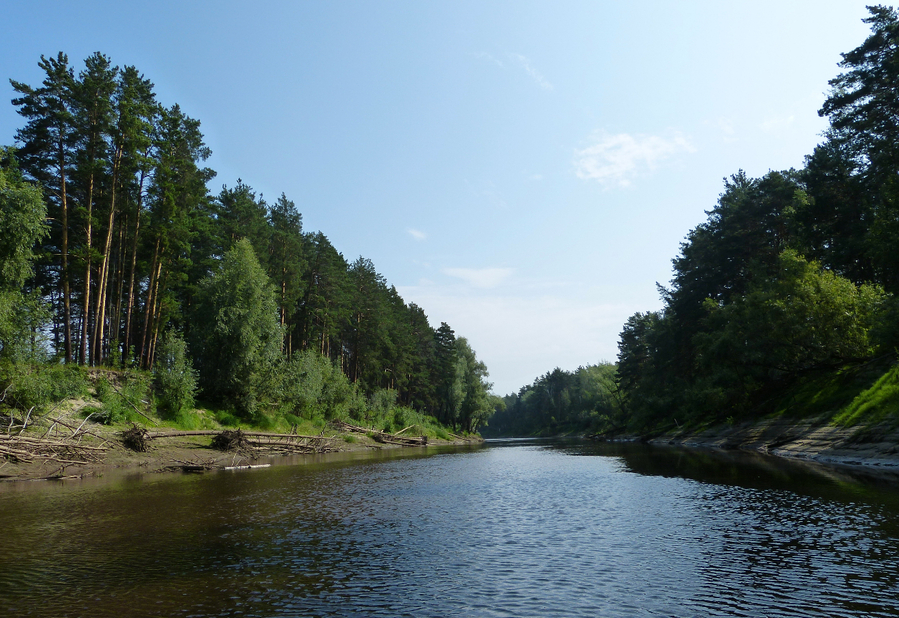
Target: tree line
{"points": [[793, 277], [130, 252], [793, 274], [559, 402]]}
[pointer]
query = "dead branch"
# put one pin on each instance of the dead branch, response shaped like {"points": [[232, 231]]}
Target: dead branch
{"points": [[128, 401]]}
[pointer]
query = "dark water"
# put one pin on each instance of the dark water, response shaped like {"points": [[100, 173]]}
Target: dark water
{"points": [[511, 529]]}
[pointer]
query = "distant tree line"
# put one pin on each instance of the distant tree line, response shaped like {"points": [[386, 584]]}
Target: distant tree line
{"points": [[136, 252], [559, 402]]}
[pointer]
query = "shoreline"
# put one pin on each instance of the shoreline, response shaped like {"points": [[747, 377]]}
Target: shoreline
{"points": [[185, 453], [808, 439]]}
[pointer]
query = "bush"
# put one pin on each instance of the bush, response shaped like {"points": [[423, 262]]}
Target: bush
{"points": [[174, 378], [226, 418], [28, 385], [121, 403]]}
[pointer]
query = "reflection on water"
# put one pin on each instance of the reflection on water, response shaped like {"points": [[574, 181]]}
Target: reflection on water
{"points": [[518, 528]]}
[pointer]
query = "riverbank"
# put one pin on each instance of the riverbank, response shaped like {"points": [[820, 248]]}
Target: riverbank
{"points": [[813, 439], [72, 449]]}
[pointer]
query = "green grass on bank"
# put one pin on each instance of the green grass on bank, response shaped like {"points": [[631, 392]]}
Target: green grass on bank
{"points": [[866, 394], [119, 398], [873, 405]]}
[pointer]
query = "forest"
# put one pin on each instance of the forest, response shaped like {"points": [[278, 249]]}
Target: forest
{"points": [[115, 255], [784, 300]]}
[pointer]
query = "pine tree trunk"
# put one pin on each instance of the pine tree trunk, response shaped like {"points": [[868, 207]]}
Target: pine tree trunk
{"points": [[103, 279], [126, 346], [85, 330], [66, 294], [151, 299]]}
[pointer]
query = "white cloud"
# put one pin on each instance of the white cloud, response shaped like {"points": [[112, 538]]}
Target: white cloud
{"points": [[417, 234], [777, 125], [483, 278], [531, 71], [725, 128], [617, 159], [490, 58]]}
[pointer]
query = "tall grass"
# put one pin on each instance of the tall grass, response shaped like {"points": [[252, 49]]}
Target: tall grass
{"points": [[874, 404]]}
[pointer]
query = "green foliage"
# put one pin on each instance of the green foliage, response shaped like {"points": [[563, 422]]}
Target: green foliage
{"points": [[125, 397], [138, 246], [236, 332], [22, 225], [800, 318], [749, 325], [560, 402], [311, 387], [26, 385], [874, 404], [226, 418], [174, 378]]}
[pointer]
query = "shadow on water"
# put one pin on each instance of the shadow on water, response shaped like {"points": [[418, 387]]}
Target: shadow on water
{"points": [[745, 469], [517, 528]]}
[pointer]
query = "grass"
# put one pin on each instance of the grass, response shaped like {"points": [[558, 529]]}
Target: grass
{"points": [[873, 405], [126, 397]]}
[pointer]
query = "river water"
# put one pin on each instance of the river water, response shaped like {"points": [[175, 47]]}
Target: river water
{"points": [[514, 528]]}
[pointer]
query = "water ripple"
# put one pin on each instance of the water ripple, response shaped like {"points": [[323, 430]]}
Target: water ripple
{"points": [[514, 531]]}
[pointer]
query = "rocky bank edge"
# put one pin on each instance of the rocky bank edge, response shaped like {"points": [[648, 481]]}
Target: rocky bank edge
{"points": [[810, 439]]}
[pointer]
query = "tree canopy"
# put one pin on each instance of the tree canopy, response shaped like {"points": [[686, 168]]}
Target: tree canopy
{"points": [[109, 228]]}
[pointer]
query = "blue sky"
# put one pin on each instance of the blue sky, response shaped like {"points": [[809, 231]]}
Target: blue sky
{"points": [[524, 171]]}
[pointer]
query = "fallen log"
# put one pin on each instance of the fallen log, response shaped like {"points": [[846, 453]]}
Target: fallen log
{"points": [[382, 436], [214, 432]]}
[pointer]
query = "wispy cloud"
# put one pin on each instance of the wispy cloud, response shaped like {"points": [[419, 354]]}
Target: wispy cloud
{"points": [[490, 58], [777, 125], [534, 74], [417, 234], [520, 61], [618, 159], [483, 278], [724, 128]]}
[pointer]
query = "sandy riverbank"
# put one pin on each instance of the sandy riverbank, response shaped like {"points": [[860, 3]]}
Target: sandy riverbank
{"points": [[194, 453]]}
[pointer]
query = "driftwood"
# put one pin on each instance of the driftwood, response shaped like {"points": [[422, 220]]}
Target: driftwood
{"points": [[214, 432], [382, 436], [229, 440], [250, 442], [26, 449], [136, 439], [75, 430]]}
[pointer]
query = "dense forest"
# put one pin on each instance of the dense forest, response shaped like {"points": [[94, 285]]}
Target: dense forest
{"points": [[559, 402], [784, 299], [114, 253]]}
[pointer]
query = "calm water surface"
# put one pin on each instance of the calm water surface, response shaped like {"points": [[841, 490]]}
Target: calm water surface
{"points": [[511, 529]]}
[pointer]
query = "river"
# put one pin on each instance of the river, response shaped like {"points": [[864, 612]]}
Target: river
{"points": [[513, 528]]}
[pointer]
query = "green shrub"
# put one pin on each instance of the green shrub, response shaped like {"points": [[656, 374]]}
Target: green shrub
{"points": [[174, 378], [28, 385], [226, 418], [126, 402]]}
